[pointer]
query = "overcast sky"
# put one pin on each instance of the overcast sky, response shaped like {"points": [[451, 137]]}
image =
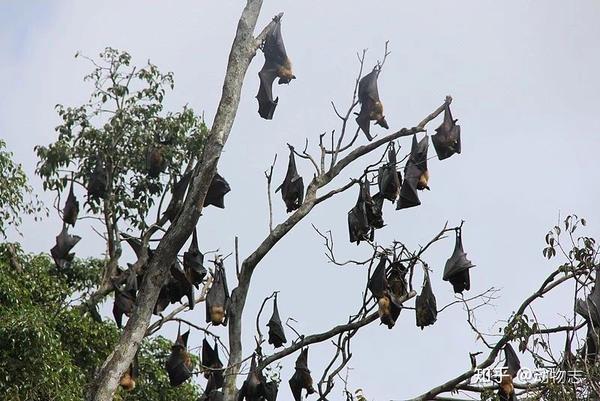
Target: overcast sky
{"points": [[524, 77]]}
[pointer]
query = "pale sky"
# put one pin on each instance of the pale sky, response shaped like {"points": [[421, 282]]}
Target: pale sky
{"points": [[524, 77]]}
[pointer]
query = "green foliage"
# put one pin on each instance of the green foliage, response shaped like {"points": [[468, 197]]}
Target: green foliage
{"points": [[50, 350], [120, 124], [14, 190]]}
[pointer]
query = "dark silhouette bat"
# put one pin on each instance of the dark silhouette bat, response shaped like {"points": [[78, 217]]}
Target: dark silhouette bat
{"points": [[61, 250], [374, 207], [217, 299], [358, 221], [277, 65], [123, 305], [371, 106], [457, 267], [276, 333], [271, 390], [301, 378], [193, 262], [389, 179], [155, 160], [212, 366], [416, 175], [589, 308], [216, 192], [446, 140], [179, 364], [425, 305], [182, 286], [253, 388], [292, 187], [71, 209], [177, 195], [97, 181]]}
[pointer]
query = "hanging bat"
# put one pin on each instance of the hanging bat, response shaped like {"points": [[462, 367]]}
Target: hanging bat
{"points": [[292, 188], [374, 207], [592, 344], [271, 390], [93, 309], [97, 182], [397, 290], [416, 174], [211, 366], [457, 267], [446, 141], [590, 308], [371, 106], [181, 284], [130, 376], [277, 65], [425, 305], [193, 262], [358, 222], [512, 365], [378, 285], [71, 209], [389, 179], [177, 195], [155, 160], [301, 378], [123, 305], [217, 299], [60, 251], [276, 333], [216, 192], [253, 388], [162, 301], [179, 364]]}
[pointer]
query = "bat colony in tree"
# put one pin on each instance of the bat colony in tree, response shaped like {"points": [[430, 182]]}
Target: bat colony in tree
{"points": [[387, 284]]}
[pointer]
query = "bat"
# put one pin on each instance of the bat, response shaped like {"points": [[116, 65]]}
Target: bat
{"points": [[162, 301], [60, 251], [217, 298], [512, 365], [301, 378], [389, 179], [358, 222], [216, 192], [193, 262], [71, 209], [93, 309], [374, 207], [253, 388], [416, 174], [211, 366], [277, 65], [425, 305], [177, 194], [155, 161], [271, 389], [397, 286], [276, 333], [292, 187], [130, 376], [371, 106], [378, 285], [592, 344], [123, 305], [446, 140], [457, 267], [590, 308], [179, 364], [182, 286], [97, 181]]}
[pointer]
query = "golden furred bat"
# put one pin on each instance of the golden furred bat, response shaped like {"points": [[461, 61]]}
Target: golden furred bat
{"points": [[416, 174], [426, 305], [130, 376], [371, 106], [277, 65], [301, 378], [179, 364], [217, 298], [446, 140]]}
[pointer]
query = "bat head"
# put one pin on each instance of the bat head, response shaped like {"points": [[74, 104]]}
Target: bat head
{"points": [[382, 122], [286, 79]]}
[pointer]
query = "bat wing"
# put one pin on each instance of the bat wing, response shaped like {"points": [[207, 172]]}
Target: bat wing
{"points": [[513, 365], [193, 262], [266, 103], [178, 191], [274, 48], [425, 305], [216, 192], [408, 191], [178, 367], [363, 119], [358, 225], [367, 86], [378, 283], [457, 267], [276, 333], [71, 209], [271, 390], [183, 282], [296, 386]]}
